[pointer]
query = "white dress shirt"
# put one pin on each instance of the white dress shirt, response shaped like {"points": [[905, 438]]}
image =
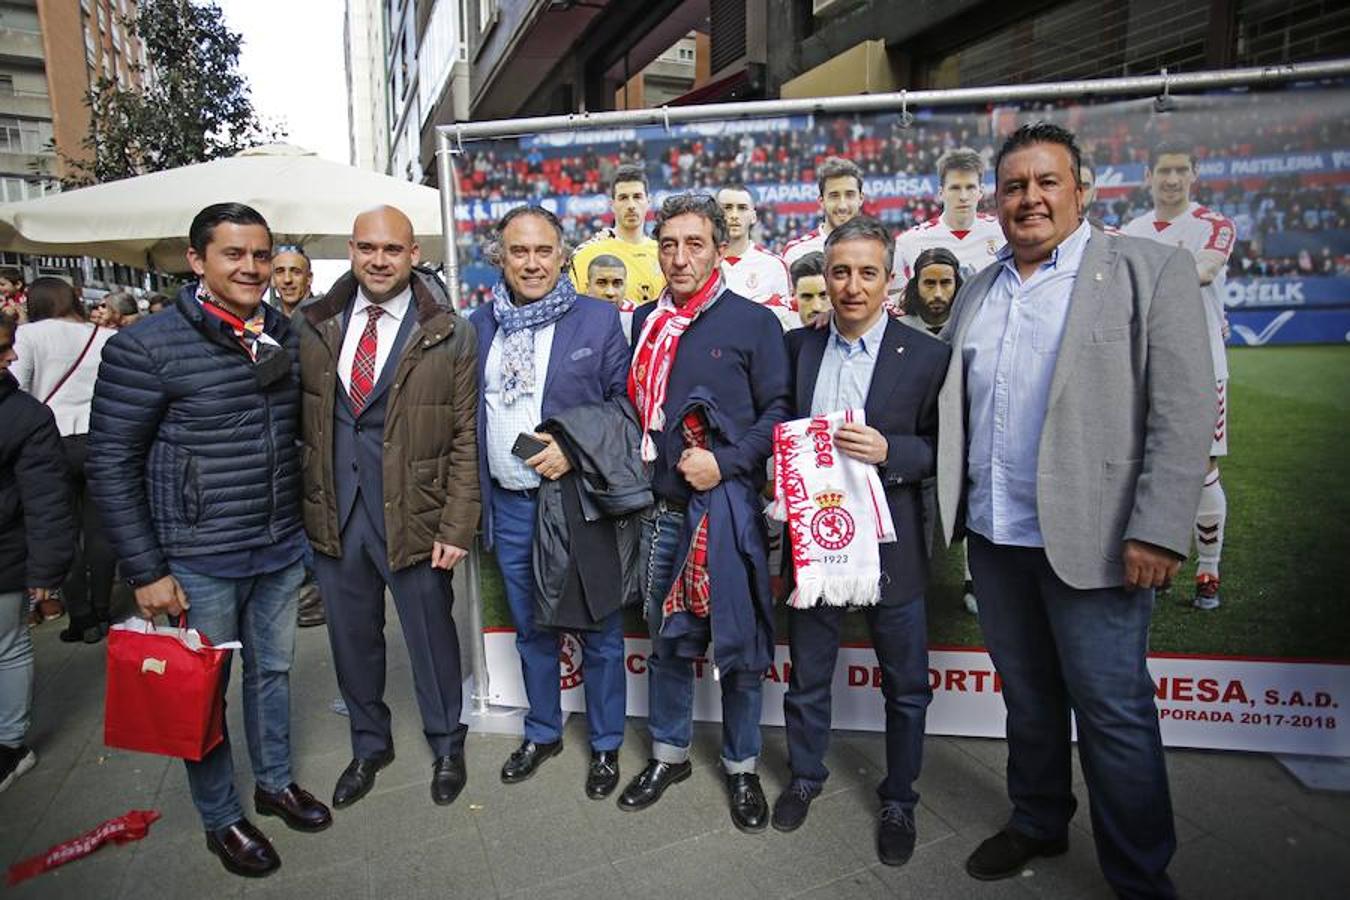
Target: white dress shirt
{"points": [[386, 330], [505, 423]]}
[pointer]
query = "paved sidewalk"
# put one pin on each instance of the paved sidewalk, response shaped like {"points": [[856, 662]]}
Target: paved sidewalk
{"points": [[1247, 829]]}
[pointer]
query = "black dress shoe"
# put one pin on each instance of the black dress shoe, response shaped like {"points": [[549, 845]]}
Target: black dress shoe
{"points": [[447, 779], [602, 776], [358, 778], [296, 806], [527, 758], [791, 807], [1004, 854], [244, 850], [651, 783], [749, 809], [895, 835]]}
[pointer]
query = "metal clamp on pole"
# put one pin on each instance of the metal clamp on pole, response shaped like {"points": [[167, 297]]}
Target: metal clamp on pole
{"points": [[906, 117], [1164, 102]]}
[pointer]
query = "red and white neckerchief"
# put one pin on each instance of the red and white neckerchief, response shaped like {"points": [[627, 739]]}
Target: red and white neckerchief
{"points": [[691, 591], [655, 356], [836, 513], [246, 331]]}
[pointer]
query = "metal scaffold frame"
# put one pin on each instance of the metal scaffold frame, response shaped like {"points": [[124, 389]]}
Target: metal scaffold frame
{"points": [[450, 140]]}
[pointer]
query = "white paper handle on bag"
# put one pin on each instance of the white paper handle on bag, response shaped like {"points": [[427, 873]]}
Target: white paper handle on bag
{"points": [[190, 637]]}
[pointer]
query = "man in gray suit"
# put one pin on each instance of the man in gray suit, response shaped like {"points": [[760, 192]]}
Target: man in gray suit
{"points": [[1073, 437]]}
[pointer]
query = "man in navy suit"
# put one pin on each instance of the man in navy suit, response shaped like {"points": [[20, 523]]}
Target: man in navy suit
{"points": [[542, 350], [894, 373]]}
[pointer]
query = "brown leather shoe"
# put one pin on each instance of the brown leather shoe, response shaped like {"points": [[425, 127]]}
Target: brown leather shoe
{"points": [[244, 850], [309, 607], [296, 806]]}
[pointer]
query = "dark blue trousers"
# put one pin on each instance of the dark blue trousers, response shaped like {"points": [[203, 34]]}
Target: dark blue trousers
{"points": [[353, 588], [513, 514], [899, 637], [1059, 649]]}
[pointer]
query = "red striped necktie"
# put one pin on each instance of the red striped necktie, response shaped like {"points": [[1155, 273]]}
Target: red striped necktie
{"points": [[363, 365]]}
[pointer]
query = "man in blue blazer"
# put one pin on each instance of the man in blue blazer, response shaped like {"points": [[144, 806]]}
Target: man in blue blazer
{"points": [[868, 360], [542, 350]]}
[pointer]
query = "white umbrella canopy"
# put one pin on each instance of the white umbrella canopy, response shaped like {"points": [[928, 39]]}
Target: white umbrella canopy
{"points": [[144, 220]]}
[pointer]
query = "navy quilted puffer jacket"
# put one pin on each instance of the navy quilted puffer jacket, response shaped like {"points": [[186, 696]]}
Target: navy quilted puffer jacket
{"points": [[188, 455]]}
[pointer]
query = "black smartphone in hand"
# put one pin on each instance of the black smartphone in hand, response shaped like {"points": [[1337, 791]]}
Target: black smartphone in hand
{"points": [[527, 446]]}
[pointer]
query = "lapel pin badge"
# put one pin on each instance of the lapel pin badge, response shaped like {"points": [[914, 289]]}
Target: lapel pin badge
{"points": [[1097, 276], [899, 349]]}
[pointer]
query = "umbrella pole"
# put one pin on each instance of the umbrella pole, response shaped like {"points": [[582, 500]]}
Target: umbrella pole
{"points": [[449, 185]]}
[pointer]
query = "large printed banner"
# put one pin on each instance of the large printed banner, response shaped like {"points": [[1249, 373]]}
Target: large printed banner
{"points": [[1223, 704], [1270, 667]]}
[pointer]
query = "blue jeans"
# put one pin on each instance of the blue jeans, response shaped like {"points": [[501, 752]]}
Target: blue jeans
{"points": [[513, 516], [1059, 649], [670, 678], [16, 668], [259, 612]]}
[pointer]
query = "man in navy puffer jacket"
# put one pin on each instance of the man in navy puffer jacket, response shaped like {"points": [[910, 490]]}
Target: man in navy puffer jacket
{"points": [[194, 467]]}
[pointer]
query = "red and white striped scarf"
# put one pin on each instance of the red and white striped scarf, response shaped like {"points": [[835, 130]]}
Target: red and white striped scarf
{"points": [[655, 356]]}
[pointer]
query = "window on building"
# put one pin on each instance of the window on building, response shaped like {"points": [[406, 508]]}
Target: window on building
{"points": [[7, 85], [102, 18], [24, 135]]}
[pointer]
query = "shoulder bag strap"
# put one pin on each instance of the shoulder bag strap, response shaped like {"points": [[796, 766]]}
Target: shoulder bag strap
{"points": [[71, 371]]}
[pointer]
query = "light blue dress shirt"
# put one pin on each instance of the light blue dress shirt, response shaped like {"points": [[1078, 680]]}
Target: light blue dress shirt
{"points": [[1009, 355], [846, 369], [505, 423]]}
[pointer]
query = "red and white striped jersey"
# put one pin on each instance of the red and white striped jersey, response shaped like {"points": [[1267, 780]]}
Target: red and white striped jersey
{"points": [[762, 276], [973, 247], [811, 242], [1198, 228]]}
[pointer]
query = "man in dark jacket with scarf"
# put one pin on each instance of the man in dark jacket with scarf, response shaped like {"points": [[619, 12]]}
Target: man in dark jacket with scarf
{"points": [[543, 350], [37, 544], [193, 465], [390, 378], [709, 380]]}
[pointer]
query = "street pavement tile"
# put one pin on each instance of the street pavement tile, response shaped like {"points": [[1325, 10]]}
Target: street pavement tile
{"points": [[963, 794], [687, 810], [1294, 847], [1329, 810], [859, 885], [1211, 867], [527, 847], [447, 866], [173, 865], [599, 883], [88, 797], [710, 865], [1075, 874], [345, 881], [94, 876]]}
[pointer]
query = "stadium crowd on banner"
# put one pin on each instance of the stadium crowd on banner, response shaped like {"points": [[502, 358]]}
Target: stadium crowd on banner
{"points": [[275, 465]]}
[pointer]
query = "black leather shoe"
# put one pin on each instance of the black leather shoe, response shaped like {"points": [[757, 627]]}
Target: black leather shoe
{"points": [[895, 835], [527, 758], [447, 779], [309, 606], [791, 807], [602, 776], [296, 806], [244, 850], [749, 809], [358, 778], [651, 783], [1004, 854]]}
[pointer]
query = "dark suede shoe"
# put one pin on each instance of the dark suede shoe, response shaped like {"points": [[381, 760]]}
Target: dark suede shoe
{"points": [[244, 850], [296, 807], [791, 807], [895, 835], [749, 809], [358, 778], [526, 759], [651, 783], [447, 779], [1004, 854], [602, 776]]}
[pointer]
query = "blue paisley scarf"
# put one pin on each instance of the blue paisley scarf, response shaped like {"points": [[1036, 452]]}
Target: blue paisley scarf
{"points": [[518, 324]]}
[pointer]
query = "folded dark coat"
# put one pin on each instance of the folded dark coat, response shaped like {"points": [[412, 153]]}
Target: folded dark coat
{"points": [[586, 529]]}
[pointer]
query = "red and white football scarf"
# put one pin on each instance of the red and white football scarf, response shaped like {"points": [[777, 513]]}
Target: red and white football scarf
{"points": [[655, 356], [836, 513]]}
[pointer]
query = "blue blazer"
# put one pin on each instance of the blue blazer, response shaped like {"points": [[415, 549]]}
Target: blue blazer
{"points": [[901, 404], [588, 363]]}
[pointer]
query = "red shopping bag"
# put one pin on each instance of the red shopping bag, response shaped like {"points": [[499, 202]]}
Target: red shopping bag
{"points": [[165, 692]]}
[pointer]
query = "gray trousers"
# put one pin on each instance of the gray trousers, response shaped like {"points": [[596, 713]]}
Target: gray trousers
{"points": [[16, 668]]}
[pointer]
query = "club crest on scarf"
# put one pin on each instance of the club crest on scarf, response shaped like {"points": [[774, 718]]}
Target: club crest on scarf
{"points": [[518, 325], [822, 495]]}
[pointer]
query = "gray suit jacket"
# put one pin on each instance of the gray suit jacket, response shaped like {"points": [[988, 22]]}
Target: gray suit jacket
{"points": [[1126, 439]]}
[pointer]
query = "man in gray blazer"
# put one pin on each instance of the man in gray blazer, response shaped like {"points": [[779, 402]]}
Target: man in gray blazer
{"points": [[1073, 437]]}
